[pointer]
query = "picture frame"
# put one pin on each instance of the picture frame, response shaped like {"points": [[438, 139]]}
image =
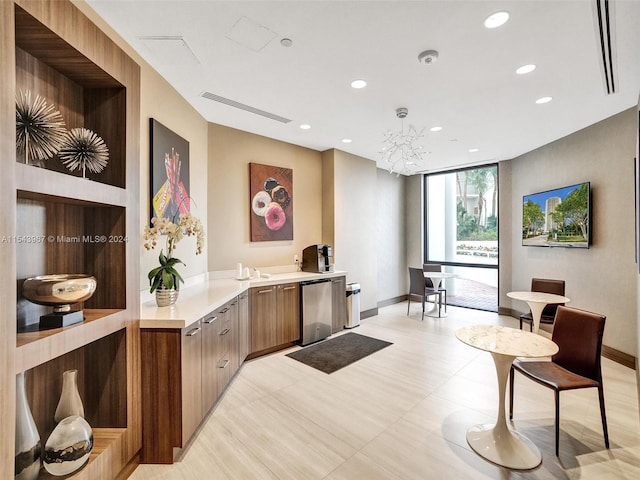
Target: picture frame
{"points": [[271, 202], [169, 172]]}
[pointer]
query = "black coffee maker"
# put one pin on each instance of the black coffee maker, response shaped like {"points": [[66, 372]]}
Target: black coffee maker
{"points": [[317, 259]]}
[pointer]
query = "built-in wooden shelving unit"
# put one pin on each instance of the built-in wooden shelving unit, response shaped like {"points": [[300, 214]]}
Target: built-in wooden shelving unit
{"points": [[80, 225]]}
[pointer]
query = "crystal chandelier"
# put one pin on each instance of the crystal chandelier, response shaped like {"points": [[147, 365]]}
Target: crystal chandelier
{"points": [[400, 150]]}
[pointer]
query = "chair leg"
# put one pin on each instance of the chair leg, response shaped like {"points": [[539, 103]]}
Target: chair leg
{"points": [[511, 375], [557, 397], [408, 304], [423, 298], [603, 415], [520, 324], [531, 326], [445, 301]]}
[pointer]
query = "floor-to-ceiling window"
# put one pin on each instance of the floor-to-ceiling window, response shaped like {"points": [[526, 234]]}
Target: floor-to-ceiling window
{"points": [[461, 209]]}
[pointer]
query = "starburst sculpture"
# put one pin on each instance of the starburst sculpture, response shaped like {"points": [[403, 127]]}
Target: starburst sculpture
{"points": [[400, 150], [40, 129], [83, 148]]}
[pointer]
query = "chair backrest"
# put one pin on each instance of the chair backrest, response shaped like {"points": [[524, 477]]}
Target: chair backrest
{"points": [[578, 334], [430, 267], [416, 281], [546, 285]]}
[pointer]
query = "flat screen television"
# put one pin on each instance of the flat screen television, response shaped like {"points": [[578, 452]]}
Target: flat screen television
{"points": [[558, 218]]}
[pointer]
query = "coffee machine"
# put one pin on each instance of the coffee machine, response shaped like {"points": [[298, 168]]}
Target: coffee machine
{"points": [[317, 259]]}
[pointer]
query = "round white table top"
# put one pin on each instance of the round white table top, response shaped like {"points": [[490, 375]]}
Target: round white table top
{"points": [[506, 341], [440, 274], [539, 297]]}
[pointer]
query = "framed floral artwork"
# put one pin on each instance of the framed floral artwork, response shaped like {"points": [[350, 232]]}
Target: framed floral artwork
{"points": [[271, 200], [169, 172]]}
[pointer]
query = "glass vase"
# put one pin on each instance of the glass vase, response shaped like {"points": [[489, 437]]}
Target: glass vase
{"points": [[28, 450], [70, 402]]}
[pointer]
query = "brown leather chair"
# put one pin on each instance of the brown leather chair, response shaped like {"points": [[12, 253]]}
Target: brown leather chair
{"points": [[434, 267], [578, 334], [544, 285], [417, 287]]}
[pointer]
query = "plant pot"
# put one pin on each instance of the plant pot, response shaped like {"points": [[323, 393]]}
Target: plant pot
{"points": [[166, 297]]}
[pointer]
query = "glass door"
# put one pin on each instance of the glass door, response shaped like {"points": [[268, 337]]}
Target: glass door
{"points": [[461, 209]]}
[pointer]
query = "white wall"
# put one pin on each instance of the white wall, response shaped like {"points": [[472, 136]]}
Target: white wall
{"points": [[391, 244], [356, 223], [414, 218], [602, 279]]}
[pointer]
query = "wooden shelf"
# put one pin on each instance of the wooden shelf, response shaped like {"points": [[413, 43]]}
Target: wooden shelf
{"points": [[89, 226], [37, 347], [47, 185]]}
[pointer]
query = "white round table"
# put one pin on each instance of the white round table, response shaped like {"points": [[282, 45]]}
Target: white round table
{"points": [[497, 442], [537, 301], [436, 278]]}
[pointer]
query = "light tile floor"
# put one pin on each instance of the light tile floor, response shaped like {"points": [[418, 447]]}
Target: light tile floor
{"points": [[402, 413]]}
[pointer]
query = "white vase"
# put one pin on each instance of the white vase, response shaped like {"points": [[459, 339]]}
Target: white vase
{"points": [[27, 448], [70, 402], [68, 447]]}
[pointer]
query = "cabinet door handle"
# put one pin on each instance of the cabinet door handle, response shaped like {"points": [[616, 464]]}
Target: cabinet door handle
{"points": [[243, 296], [224, 310], [223, 364], [193, 332], [210, 320], [290, 288], [225, 331], [265, 291]]}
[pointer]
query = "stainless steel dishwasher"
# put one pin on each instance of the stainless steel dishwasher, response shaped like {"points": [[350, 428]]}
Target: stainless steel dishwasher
{"points": [[316, 310]]}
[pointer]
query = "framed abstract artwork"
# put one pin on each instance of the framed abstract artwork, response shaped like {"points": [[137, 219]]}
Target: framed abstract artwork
{"points": [[169, 172], [271, 200]]}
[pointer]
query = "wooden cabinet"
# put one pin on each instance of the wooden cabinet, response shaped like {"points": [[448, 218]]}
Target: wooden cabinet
{"points": [[338, 304], [262, 313], [287, 313], [185, 372], [191, 369], [244, 334], [210, 358], [71, 225], [227, 363]]}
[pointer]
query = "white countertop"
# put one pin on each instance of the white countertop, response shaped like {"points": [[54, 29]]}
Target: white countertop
{"points": [[196, 301]]}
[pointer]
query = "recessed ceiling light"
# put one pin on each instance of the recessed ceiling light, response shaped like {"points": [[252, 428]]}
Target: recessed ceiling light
{"points": [[525, 69], [474, 150], [346, 140], [305, 126], [359, 84], [544, 100], [435, 129], [286, 42], [496, 20]]}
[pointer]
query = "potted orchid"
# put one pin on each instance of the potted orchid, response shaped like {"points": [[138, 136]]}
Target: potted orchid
{"points": [[165, 279]]}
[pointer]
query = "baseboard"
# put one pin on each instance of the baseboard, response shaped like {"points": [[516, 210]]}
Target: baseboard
{"points": [[369, 313], [619, 357], [392, 301]]}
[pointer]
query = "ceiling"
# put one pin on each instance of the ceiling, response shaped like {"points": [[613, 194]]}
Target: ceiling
{"points": [[234, 51]]}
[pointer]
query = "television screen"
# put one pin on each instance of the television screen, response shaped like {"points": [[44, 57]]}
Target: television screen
{"points": [[557, 218]]}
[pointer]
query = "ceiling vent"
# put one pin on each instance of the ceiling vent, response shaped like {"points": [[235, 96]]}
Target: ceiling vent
{"points": [[170, 50], [604, 20], [242, 106]]}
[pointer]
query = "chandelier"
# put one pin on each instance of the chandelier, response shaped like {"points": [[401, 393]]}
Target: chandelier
{"points": [[400, 151]]}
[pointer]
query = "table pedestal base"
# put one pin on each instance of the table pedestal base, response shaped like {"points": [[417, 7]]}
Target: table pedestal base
{"points": [[504, 447]]}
